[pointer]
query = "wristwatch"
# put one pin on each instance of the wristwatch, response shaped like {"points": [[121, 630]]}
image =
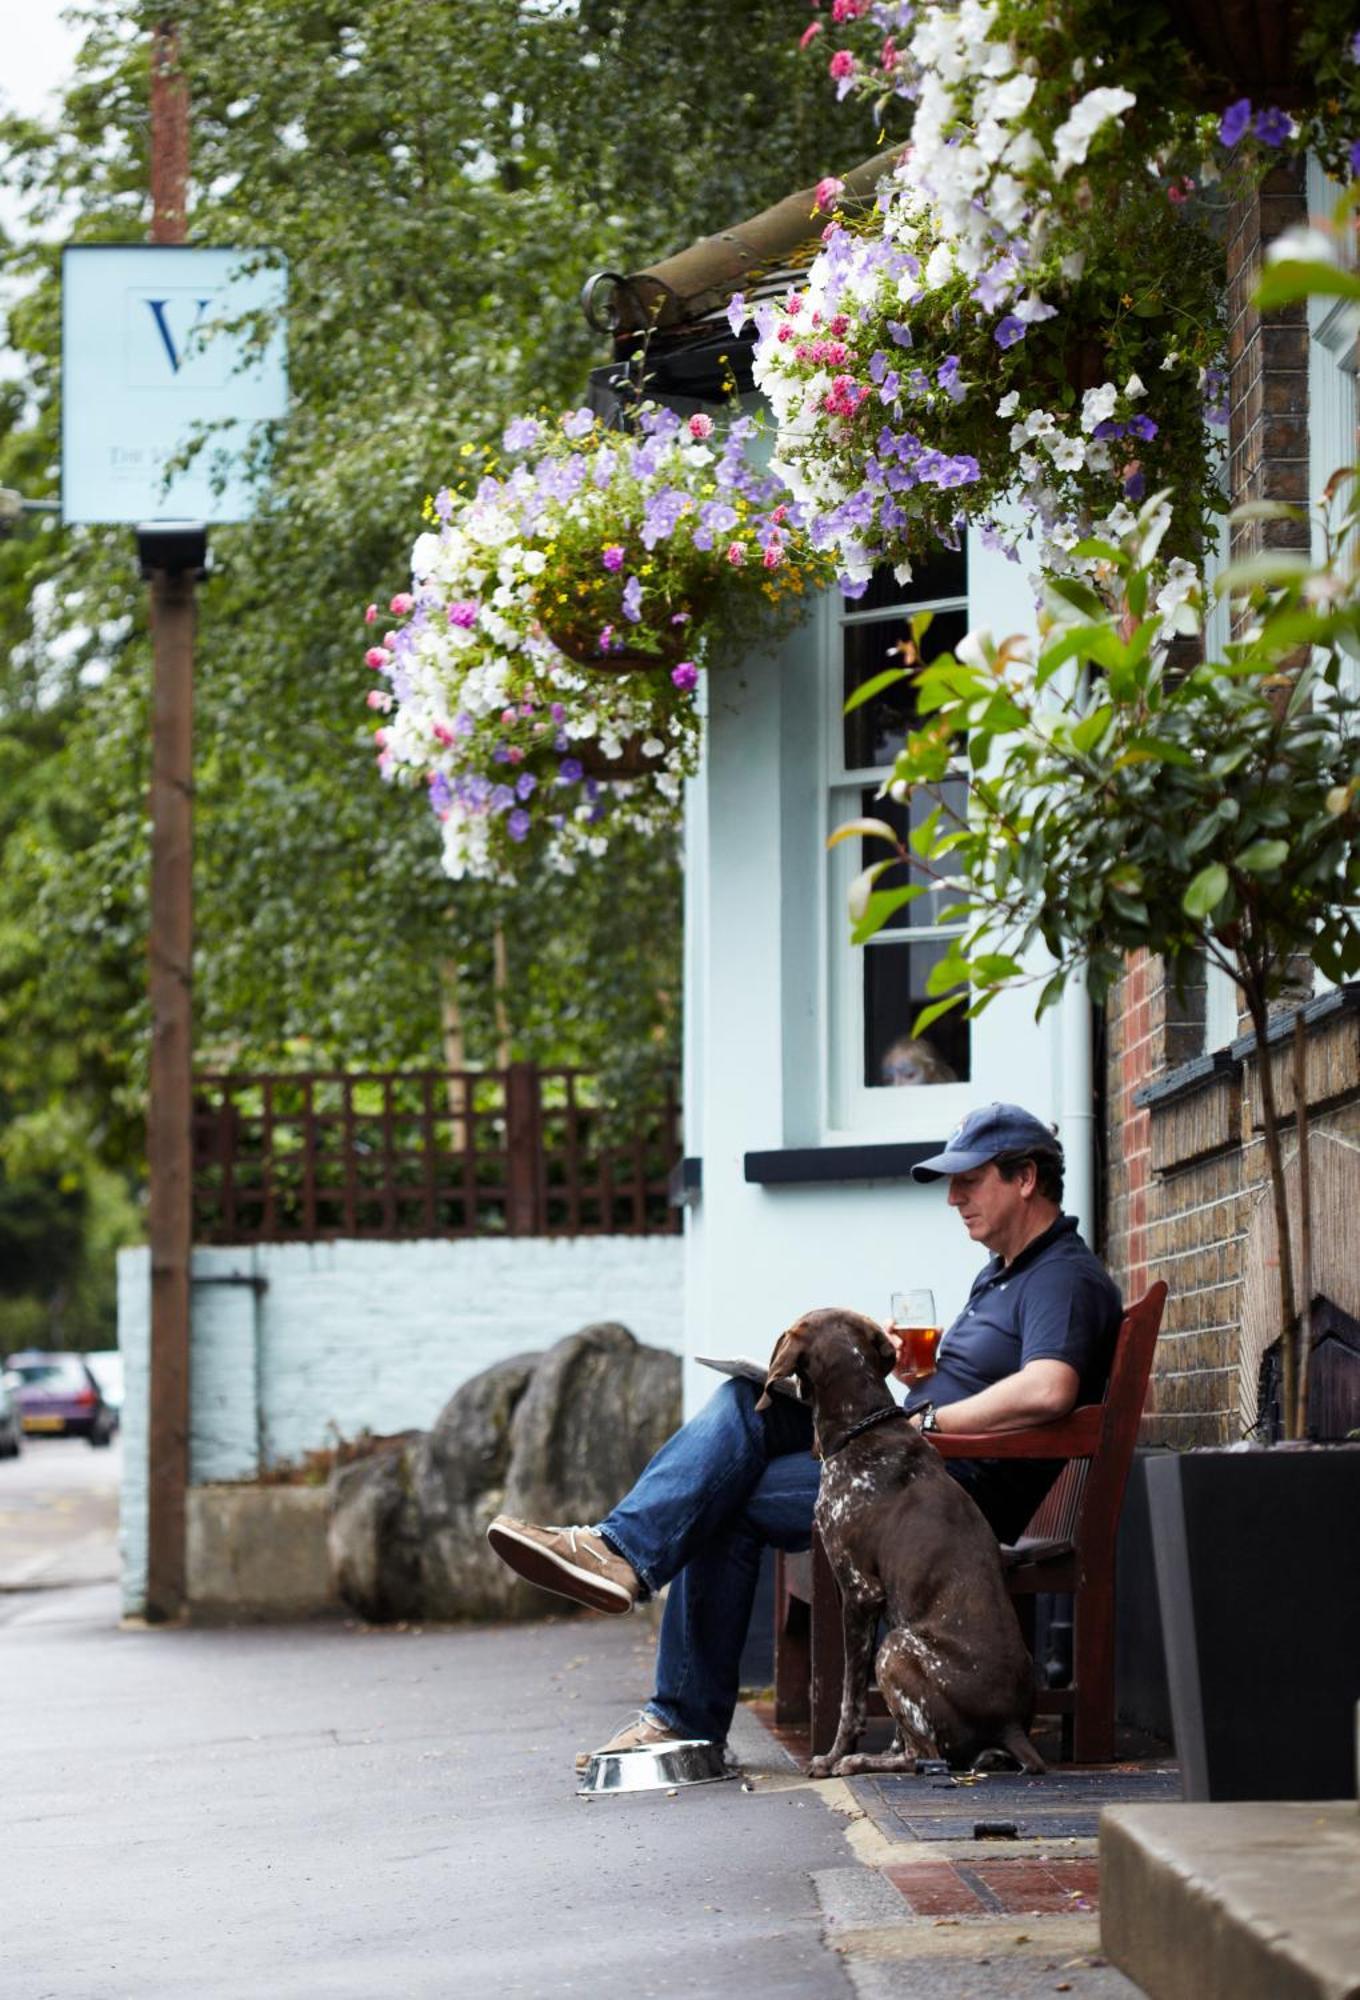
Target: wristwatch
{"points": [[929, 1420]]}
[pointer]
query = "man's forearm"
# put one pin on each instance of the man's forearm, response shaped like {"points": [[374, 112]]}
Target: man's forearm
{"points": [[1038, 1394]]}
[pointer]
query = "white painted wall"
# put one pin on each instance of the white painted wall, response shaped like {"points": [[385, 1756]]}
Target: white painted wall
{"points": [[343, 1337], [761, 924]]}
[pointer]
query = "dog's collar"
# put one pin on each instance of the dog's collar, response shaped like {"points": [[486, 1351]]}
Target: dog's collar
{"points": [[865, 1424]]}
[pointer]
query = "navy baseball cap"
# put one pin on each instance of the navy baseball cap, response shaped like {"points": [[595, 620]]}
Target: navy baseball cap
{"points": [[985, 1135]]}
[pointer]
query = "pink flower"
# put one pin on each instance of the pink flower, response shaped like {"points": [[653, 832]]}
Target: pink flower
{"points": [[700, 426], [888, 59], [829, 190], [685, 676], [785, 331], [371, 615], [463, 613], [443, 734], [774, 555], [780, 513], [606, 637], [378, 698], [842, 64], [402, 603], [514, 755], [809, 34], [848, 10], [612, 557], [509, 715], [377, 658], [380, 739], [736, 554]]}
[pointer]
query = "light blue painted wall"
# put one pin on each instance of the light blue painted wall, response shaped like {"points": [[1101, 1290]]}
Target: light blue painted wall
{"points": [[758, 930], [327, 1337]]}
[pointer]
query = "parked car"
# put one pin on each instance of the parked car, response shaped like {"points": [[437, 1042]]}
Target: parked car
{"points": [[58, 1393], [106, 1365], [11, 1422]]}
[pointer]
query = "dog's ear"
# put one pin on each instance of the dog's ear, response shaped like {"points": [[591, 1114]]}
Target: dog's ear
{"points": [[783, 1362], [887, 1353]]}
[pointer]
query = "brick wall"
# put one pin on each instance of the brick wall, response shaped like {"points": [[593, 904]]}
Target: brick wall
{"points": [[1179, 1185]]}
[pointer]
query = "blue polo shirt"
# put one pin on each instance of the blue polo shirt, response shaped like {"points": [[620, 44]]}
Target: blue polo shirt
{"points": [[1054, 1302]]}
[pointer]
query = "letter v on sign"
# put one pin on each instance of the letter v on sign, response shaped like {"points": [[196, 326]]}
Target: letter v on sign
{"points": [[158, 311]]}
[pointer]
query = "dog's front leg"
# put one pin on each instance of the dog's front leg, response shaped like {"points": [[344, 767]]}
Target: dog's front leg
{"points": [[859, 1626]]}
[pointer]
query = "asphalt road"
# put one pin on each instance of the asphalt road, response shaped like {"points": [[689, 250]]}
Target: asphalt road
{"points": [[318, 1812], [59, 1514]]}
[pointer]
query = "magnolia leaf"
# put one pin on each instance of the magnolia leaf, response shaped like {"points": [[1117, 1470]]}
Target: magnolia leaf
{"points": [[1089, 732], [1271, 566], [1075, 593], [1206, 890], [1289, 281], [865, 829], [1263, 855], [920, 623], [860, 888], [994, 967], [1093, 549], [883, 904], [929, 1015], [875, 686]]}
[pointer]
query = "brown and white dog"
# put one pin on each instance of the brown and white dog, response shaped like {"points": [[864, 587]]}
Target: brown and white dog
{"points": [[905, 1540]]}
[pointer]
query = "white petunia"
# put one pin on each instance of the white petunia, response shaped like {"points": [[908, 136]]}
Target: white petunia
{"points": [[1007, 407], [1097, 405], [1069, 454], [1133, 388], [1088, 114]]}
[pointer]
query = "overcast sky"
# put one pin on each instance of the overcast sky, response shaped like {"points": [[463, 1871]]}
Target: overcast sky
{"points": [[39, 51]]}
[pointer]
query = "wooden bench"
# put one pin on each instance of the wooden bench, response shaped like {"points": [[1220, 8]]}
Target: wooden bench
{"points": [[1068, 1546]]}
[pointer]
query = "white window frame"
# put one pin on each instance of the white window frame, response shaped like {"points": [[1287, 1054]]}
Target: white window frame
{"points": [[855, 1109]]}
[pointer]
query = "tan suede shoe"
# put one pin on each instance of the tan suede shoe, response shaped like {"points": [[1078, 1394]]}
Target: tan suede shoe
{"points": [[640, 1734], [574, 1562]]}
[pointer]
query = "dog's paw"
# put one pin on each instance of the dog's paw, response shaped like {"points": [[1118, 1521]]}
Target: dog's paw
{"points": [[820, 1767], [850, 1767]]}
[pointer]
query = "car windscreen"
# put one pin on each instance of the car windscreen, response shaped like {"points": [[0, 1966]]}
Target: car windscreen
{"points": [[50, 1374]]}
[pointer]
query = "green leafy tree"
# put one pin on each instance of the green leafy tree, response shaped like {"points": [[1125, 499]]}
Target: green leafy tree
{"points": [[440, 179]]}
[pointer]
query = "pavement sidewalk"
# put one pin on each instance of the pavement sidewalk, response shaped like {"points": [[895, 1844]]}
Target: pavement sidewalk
{"points": [[321, 1812]]}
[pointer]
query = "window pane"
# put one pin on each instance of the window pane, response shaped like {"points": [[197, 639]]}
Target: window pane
{"points": [[945, 574], [895, 978], [874, 733], [922, 912]]}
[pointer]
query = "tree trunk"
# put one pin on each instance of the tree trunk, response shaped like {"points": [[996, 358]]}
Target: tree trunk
{"points": [[1305, 1218], [1270, 1127], [455, 1048]]}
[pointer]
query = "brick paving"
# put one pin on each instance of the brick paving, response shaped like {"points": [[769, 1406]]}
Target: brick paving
{"points": [[1028, 1885]]}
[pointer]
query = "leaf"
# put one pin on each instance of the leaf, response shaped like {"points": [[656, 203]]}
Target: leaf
{"points": [[875, 686], [1205, 891], [863, 829], [1093, 549], [858, 897], [1272, 566], [929, 1015], [883, 904], [1076, 593], [1262, 856], [1088, 733], [1291, 280]]}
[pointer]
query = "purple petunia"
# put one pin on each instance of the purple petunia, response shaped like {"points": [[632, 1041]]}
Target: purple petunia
{"points": [[441, 796], [1008, 331], [1354, 154], [632, 600], [571, 770], [900, 332], [612, 557], [517, 826], [521, 434], [1142, 427], [685, 676], [525, 784], [947, 375], [1273, 126], [1234, 122], [578, 423], [463, 613], [501, 799]]}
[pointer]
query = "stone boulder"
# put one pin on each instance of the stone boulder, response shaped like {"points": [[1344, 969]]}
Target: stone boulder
{"points": [[549, 1437]]}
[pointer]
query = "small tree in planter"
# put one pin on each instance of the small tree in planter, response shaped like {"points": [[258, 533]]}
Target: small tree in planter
{"points": [[1121, 803]]}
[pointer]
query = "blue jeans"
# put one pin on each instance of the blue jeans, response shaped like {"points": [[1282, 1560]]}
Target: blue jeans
{"points": [[731, 1481]]}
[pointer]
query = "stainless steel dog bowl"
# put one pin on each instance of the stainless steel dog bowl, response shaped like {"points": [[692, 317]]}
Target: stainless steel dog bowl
{"points": [[653, 1767]]}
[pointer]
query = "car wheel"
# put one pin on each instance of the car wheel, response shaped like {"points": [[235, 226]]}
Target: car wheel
{"points": [[101, 1433], [10, 1446]]}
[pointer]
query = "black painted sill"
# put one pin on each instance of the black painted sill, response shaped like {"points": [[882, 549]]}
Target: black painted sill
{"points": [[808, 1166]]}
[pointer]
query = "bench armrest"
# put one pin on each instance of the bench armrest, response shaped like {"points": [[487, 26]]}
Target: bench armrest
{"points": [[1074, 1436]]}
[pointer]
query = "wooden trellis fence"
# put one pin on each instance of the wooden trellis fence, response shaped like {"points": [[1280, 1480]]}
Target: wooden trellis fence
{"points": [[296, 1157]]}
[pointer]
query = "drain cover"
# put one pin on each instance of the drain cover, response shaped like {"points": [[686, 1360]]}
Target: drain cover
{"points": [[1008, 1805]]}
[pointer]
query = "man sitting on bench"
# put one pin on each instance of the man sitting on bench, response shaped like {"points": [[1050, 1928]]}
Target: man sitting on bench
{"points": [[1035, 1338]]}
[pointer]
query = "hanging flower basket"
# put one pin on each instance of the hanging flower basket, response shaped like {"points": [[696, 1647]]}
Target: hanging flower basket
{"points": [[539, 676]]}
